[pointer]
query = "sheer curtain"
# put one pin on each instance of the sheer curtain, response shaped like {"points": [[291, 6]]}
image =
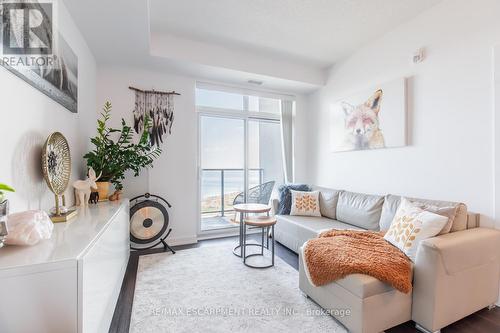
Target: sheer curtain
{"points": [[287, 138]]}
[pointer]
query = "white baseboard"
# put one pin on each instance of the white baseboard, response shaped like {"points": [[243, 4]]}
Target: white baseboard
{"points": [[182, 241], [218, 234], [194, 239], [223, 233]]}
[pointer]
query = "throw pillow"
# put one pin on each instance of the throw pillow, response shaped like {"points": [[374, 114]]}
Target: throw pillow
{"points": [[449, 212], [411, 225], [285, 196], [305, 203]]}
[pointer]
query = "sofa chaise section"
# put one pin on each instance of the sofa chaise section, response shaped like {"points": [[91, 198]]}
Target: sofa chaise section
{"points": [[454, 274], [373, 306]]}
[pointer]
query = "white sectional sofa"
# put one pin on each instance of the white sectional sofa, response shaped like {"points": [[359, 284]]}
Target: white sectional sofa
{"points": [[454, 274]]}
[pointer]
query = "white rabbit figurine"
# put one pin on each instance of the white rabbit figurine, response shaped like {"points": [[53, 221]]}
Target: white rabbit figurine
{"points": [[83, 188]]}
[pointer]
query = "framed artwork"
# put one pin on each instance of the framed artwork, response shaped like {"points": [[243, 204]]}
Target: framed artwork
{"points": [[40, 55], [374, 118]]}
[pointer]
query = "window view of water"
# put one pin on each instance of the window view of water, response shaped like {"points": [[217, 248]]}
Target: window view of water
{"points": [[233, 181], [211, 187]]}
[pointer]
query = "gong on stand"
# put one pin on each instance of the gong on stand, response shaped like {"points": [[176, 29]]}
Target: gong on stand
{"points": [[149, 222], [56, 168]]}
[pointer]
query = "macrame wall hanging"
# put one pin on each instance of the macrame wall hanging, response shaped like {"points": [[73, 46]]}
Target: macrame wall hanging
{"points": [[159, 107]]}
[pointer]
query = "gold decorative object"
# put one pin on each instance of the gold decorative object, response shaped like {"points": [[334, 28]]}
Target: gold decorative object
{"points": [[103, 190], [56, 167]]}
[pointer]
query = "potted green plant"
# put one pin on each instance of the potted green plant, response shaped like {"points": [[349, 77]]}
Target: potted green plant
{"points": [[4, 204], [115, 153], [3, 188]]}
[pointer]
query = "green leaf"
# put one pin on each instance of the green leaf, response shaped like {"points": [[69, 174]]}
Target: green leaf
{"points": [[113, 158], [4, 187]]}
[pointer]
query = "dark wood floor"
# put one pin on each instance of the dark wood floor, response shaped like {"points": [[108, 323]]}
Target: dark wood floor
{"points": [[483, 321]]}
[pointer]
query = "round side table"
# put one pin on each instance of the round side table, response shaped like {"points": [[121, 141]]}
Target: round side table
{"points": [[246, 209], [264, 223]]}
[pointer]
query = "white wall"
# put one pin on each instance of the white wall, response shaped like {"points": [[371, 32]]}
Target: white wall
{"points": [[451, 110], [174, 175], [28, 117], [302, 129]]}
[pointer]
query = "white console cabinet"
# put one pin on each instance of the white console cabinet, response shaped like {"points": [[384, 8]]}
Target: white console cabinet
{"points": [[71, 282]]}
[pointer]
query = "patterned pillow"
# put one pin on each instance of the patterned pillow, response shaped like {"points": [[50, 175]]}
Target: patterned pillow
{"points": [[411, 225], [305, 203], [286, 197]]}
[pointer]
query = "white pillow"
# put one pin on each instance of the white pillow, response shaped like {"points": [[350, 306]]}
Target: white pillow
{"points": [[305, 203], [411, 225]]}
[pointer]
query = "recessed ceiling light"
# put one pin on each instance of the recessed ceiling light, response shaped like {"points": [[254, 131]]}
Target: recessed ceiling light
{"points": [[256, 82]]}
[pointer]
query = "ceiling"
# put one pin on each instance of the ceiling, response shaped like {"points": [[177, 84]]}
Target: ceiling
{"points": [[315, 32], [287, 44]]}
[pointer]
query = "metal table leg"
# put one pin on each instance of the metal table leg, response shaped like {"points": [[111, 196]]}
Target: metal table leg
{"points": [[272, 228], [262, 246], [244, 244], [239, 246], [242, 233]]}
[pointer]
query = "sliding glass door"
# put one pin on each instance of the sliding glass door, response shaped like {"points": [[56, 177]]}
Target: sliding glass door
{"points": [[240, 150], [237, 155], [222, 174], [265, 161]]}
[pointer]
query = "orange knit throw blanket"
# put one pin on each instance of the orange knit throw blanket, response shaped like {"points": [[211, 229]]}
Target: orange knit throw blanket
{"points": [[338, 253]]}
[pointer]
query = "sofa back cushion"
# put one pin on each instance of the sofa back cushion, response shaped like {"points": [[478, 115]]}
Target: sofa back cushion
{"points": [[328, 199], [362, 210], [455, 211]]}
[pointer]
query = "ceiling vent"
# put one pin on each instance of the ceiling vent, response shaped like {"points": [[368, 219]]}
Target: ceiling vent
{"points": [[255, 82]]}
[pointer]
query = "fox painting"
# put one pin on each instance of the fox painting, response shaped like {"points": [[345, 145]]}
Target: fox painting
{"points": [[362, 124]]}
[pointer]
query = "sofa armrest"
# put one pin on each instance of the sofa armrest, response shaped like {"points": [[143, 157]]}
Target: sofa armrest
{"points": [[466, 249], [455, 275], [275, 205]]}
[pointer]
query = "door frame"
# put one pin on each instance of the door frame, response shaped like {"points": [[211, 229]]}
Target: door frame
{"points": [[496, 132], [496, 138]]}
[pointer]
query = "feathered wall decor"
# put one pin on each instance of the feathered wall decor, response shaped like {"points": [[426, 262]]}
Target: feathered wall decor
{"points": [[159, 106]]}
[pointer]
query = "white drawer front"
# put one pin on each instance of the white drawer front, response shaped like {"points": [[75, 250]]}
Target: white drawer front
{"points": [[101, 273], [44, 302]]}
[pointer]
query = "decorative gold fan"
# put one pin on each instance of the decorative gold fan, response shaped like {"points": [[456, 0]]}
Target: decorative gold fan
{"points": [[56, 167]]}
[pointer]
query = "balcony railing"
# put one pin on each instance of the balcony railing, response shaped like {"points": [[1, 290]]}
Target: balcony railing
{"points": [[216, 181]]}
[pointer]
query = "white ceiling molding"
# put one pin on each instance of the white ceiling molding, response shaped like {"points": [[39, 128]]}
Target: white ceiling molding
{"points": [[287, 44], [243, 90], [172, 47]]}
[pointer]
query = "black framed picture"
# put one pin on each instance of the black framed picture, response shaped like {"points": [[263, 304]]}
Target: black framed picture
{"points": [[36, 53]]}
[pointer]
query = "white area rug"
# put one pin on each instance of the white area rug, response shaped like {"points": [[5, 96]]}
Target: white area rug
{"points": [[208, 289]]}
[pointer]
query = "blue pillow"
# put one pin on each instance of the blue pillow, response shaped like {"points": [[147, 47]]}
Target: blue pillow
{"points": [[285, 204]]}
